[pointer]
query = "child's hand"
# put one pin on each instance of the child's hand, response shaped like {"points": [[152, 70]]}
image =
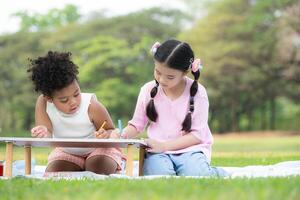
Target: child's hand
{"points": [[102, 134], [39, 131], [155, 146], [115, 133]]}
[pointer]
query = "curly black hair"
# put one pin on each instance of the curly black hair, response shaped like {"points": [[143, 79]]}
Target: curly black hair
{"points": [[52, 72]]}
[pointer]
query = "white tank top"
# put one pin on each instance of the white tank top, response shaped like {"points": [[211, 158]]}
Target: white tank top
{"points": [[77, 125]]}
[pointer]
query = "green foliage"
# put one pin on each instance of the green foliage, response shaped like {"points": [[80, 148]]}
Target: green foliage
{"points": [[290, 114], [238, 41], [249, 50], [54, 19], [110, 64], [17, 99], [112, 55]]}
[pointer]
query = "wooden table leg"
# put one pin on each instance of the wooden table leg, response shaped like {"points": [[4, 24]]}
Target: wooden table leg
{"points": [[129, 161], [9, 159], [27, 160], [141, 160]]}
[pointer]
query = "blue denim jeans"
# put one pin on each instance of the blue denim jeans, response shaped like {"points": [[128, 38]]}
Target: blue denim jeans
{"points": [[184, 164]]}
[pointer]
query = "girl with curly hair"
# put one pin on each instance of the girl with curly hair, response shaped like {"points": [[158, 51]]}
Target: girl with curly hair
{"points": [[62, 111]]}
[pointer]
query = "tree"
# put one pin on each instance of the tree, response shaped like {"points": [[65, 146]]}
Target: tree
{"points": [[54, 19], [116, 47], [237, 41], [288, 49]]}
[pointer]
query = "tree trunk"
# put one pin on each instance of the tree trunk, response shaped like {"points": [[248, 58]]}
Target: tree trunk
{"points": [[234, 117], [250, 120], [263, 123], [27, 121], [272, 113]]}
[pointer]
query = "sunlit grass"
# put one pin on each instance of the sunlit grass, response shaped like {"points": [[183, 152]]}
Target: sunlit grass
{"points": [[242, 151], [278, 144], [156, 189], [233, 151]]}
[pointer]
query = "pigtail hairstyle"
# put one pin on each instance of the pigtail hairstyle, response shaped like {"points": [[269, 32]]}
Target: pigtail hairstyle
{"points": [[187, 123], [150, 110], [180, 56]]}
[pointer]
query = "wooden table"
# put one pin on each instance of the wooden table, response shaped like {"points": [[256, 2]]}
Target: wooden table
{"points": [[27, 143]]}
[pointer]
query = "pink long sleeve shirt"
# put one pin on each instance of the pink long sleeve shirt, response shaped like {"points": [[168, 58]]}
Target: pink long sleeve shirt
{"points": [[171, 114]]}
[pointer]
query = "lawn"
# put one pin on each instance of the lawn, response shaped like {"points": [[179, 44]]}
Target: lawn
{"points": [[227, 151]]}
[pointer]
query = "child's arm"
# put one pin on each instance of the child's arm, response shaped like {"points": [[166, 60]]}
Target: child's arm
{"points": [[98, 114], [43, 124], [129, 132], [176, 144]]}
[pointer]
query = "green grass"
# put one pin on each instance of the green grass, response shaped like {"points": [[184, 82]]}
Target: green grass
{"points": [[231, 151], [260, 188], [243, 151]]}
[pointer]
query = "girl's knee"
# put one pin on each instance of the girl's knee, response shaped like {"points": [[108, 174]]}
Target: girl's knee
{"points": [[158, 165], [204, 170], [192, 169], [101, 165], [197, 165], [157, 170], [62, 165]]}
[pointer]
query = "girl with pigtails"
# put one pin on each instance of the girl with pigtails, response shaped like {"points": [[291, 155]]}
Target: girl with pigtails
{"points": [[175, 108]]}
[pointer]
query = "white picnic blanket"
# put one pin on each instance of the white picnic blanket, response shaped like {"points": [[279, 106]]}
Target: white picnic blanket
{"points": [[282, 169]]}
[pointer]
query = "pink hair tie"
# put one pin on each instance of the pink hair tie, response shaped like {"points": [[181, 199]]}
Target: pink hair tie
{"points": [[154, 47], [196, 65]]}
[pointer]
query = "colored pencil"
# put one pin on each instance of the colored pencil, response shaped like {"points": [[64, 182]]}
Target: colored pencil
{"points": [[103, 124], [120, 126]]}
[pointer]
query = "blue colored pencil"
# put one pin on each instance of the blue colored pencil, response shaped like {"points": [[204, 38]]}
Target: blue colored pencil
{"points": [[120, 126]]}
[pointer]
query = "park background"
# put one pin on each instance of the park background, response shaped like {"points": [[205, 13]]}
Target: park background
{"points": [[250, 51], [251, 55]]}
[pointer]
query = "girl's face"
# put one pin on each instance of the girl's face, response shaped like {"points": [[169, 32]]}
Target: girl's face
{"points": [[67, 100], [167, 77]]}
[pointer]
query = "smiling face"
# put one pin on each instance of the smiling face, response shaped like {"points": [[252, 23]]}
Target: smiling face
{"points": [[167, 77], [68, 99]]}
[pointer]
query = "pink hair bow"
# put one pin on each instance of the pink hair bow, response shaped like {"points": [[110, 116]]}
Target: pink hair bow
{"points": [[154, 47], [196, 65]]}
